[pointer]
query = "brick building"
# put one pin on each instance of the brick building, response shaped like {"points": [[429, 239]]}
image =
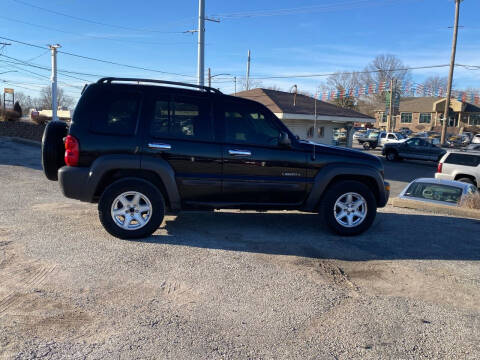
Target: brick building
{"points": [[425, 113]]}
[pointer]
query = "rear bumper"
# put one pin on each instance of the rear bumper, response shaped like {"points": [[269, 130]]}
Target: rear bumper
{"points": [[443, 176], [74, 182]]}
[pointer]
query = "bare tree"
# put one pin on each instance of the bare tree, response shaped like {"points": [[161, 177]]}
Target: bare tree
{"points": [[274, 87], [63, 101], [343, 82], [383, 69], [26, 101], [435, 82], [252, 84]]}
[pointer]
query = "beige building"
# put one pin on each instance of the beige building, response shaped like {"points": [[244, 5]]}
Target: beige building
{"points": [[298, 113], [425, 113]]}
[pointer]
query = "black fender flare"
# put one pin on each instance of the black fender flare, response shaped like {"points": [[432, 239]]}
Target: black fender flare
{"points": [[329, 172], [160, 167]]}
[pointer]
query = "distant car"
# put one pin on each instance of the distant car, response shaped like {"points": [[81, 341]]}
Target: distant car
{"points": [[358, 134], [476, 139], [458, 140], [405, 131], [460, 165], [444, 192], [390, 137], [473, 147], [366, 136], [413, 148]]}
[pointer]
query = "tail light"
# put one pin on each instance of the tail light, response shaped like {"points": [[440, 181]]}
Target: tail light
{"points": [[439, 167], [72, 151]]}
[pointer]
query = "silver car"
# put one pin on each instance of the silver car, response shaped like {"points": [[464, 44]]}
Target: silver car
{"points": [[443, 192]]}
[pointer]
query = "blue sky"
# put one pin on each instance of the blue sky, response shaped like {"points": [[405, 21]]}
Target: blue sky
{"points": [[285, 37]]}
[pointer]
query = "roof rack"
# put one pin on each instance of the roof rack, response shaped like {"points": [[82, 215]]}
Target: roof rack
{"points": [[109, 80]]}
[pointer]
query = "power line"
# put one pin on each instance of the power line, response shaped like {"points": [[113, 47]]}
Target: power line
{"points": [[305, 9], [94, 21], [347, 73], [89, 35], [124, 65], [99, 60]]}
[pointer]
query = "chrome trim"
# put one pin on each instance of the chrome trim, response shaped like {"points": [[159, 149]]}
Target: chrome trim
{"points": [[236, 152], [158, 146]]}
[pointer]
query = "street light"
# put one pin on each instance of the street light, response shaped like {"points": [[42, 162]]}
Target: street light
{"points": [[210, 76]]}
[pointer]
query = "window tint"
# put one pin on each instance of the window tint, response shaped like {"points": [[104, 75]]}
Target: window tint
{"points": [[181, 118], [414, 142], [115, 113], [391, 136], [434, 192], [250, 127], [383, 135], [463, 159]]}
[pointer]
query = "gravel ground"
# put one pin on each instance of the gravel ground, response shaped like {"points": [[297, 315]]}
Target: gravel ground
{"points": [[228, 285]]}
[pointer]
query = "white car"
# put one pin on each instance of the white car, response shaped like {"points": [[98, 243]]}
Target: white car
{"points": [[476, 139], [460, 165], [390, 137], [444, 192]]}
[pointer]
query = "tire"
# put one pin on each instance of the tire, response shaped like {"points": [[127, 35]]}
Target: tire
{"points": [[150, 197], [391, 155], [467, 180], [366, 145], [329, 208], [53, 149]]}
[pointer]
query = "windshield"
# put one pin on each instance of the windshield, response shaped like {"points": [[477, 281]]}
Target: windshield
{"points": [[436, 192], [373, 135]]}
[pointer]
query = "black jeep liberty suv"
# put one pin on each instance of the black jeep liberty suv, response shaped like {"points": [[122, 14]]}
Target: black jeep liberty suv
{"points": [[142, 147]]}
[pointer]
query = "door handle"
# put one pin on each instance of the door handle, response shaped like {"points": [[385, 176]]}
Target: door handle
{"points": [[239, 153], [158, 146]]}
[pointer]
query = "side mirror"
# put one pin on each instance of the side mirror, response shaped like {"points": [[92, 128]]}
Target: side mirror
{"points": [[284, 140]]}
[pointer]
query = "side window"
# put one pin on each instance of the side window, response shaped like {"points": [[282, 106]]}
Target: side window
{"points": [[244, 126], [413, 142], [116, 113], [391, 136], [383, 135], [181, 118], [463, 159]]}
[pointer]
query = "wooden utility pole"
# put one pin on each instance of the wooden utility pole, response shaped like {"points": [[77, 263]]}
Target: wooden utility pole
{"points": [[248, 71], [390, 116], [450, 75], [209, 78]]}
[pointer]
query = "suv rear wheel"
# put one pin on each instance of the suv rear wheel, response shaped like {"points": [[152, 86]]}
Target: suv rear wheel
{"points": [[131, 208], [348, 207], [391, 155]]}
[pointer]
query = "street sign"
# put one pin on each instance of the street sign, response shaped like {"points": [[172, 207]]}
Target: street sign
{"points": [[8, 91]]}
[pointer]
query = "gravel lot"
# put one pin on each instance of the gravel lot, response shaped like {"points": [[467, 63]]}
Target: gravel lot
{"points": [[229, 285]]}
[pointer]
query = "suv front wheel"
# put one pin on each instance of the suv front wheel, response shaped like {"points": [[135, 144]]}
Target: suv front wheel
{"points": [[348, 207], [131, 208]]}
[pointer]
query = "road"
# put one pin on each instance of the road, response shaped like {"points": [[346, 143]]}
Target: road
{"points": [[230, 284]]}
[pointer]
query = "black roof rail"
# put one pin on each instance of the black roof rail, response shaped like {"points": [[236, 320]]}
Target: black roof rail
{"points": [[108, 80]]}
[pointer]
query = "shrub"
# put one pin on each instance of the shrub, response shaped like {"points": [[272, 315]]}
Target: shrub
{"points": [[10, 115], [471, 201], [17, 108]]}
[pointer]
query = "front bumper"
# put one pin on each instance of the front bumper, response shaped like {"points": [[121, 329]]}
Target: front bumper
{"points": [[384, 201], [74, 182]]}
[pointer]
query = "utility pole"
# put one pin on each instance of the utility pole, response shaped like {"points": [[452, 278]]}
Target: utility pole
{"points": [[390, 116], [54, 81], [209, 78], [450, 74], [248, 71], [201, 42], [235, 81]]}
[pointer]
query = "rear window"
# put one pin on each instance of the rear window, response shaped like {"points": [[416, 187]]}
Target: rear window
{"points": [[463, 159], [436, 192], [109, 110]]}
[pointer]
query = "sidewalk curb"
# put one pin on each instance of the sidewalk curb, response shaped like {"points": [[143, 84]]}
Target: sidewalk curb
{"points": [[434, 208], [24, 141]]}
